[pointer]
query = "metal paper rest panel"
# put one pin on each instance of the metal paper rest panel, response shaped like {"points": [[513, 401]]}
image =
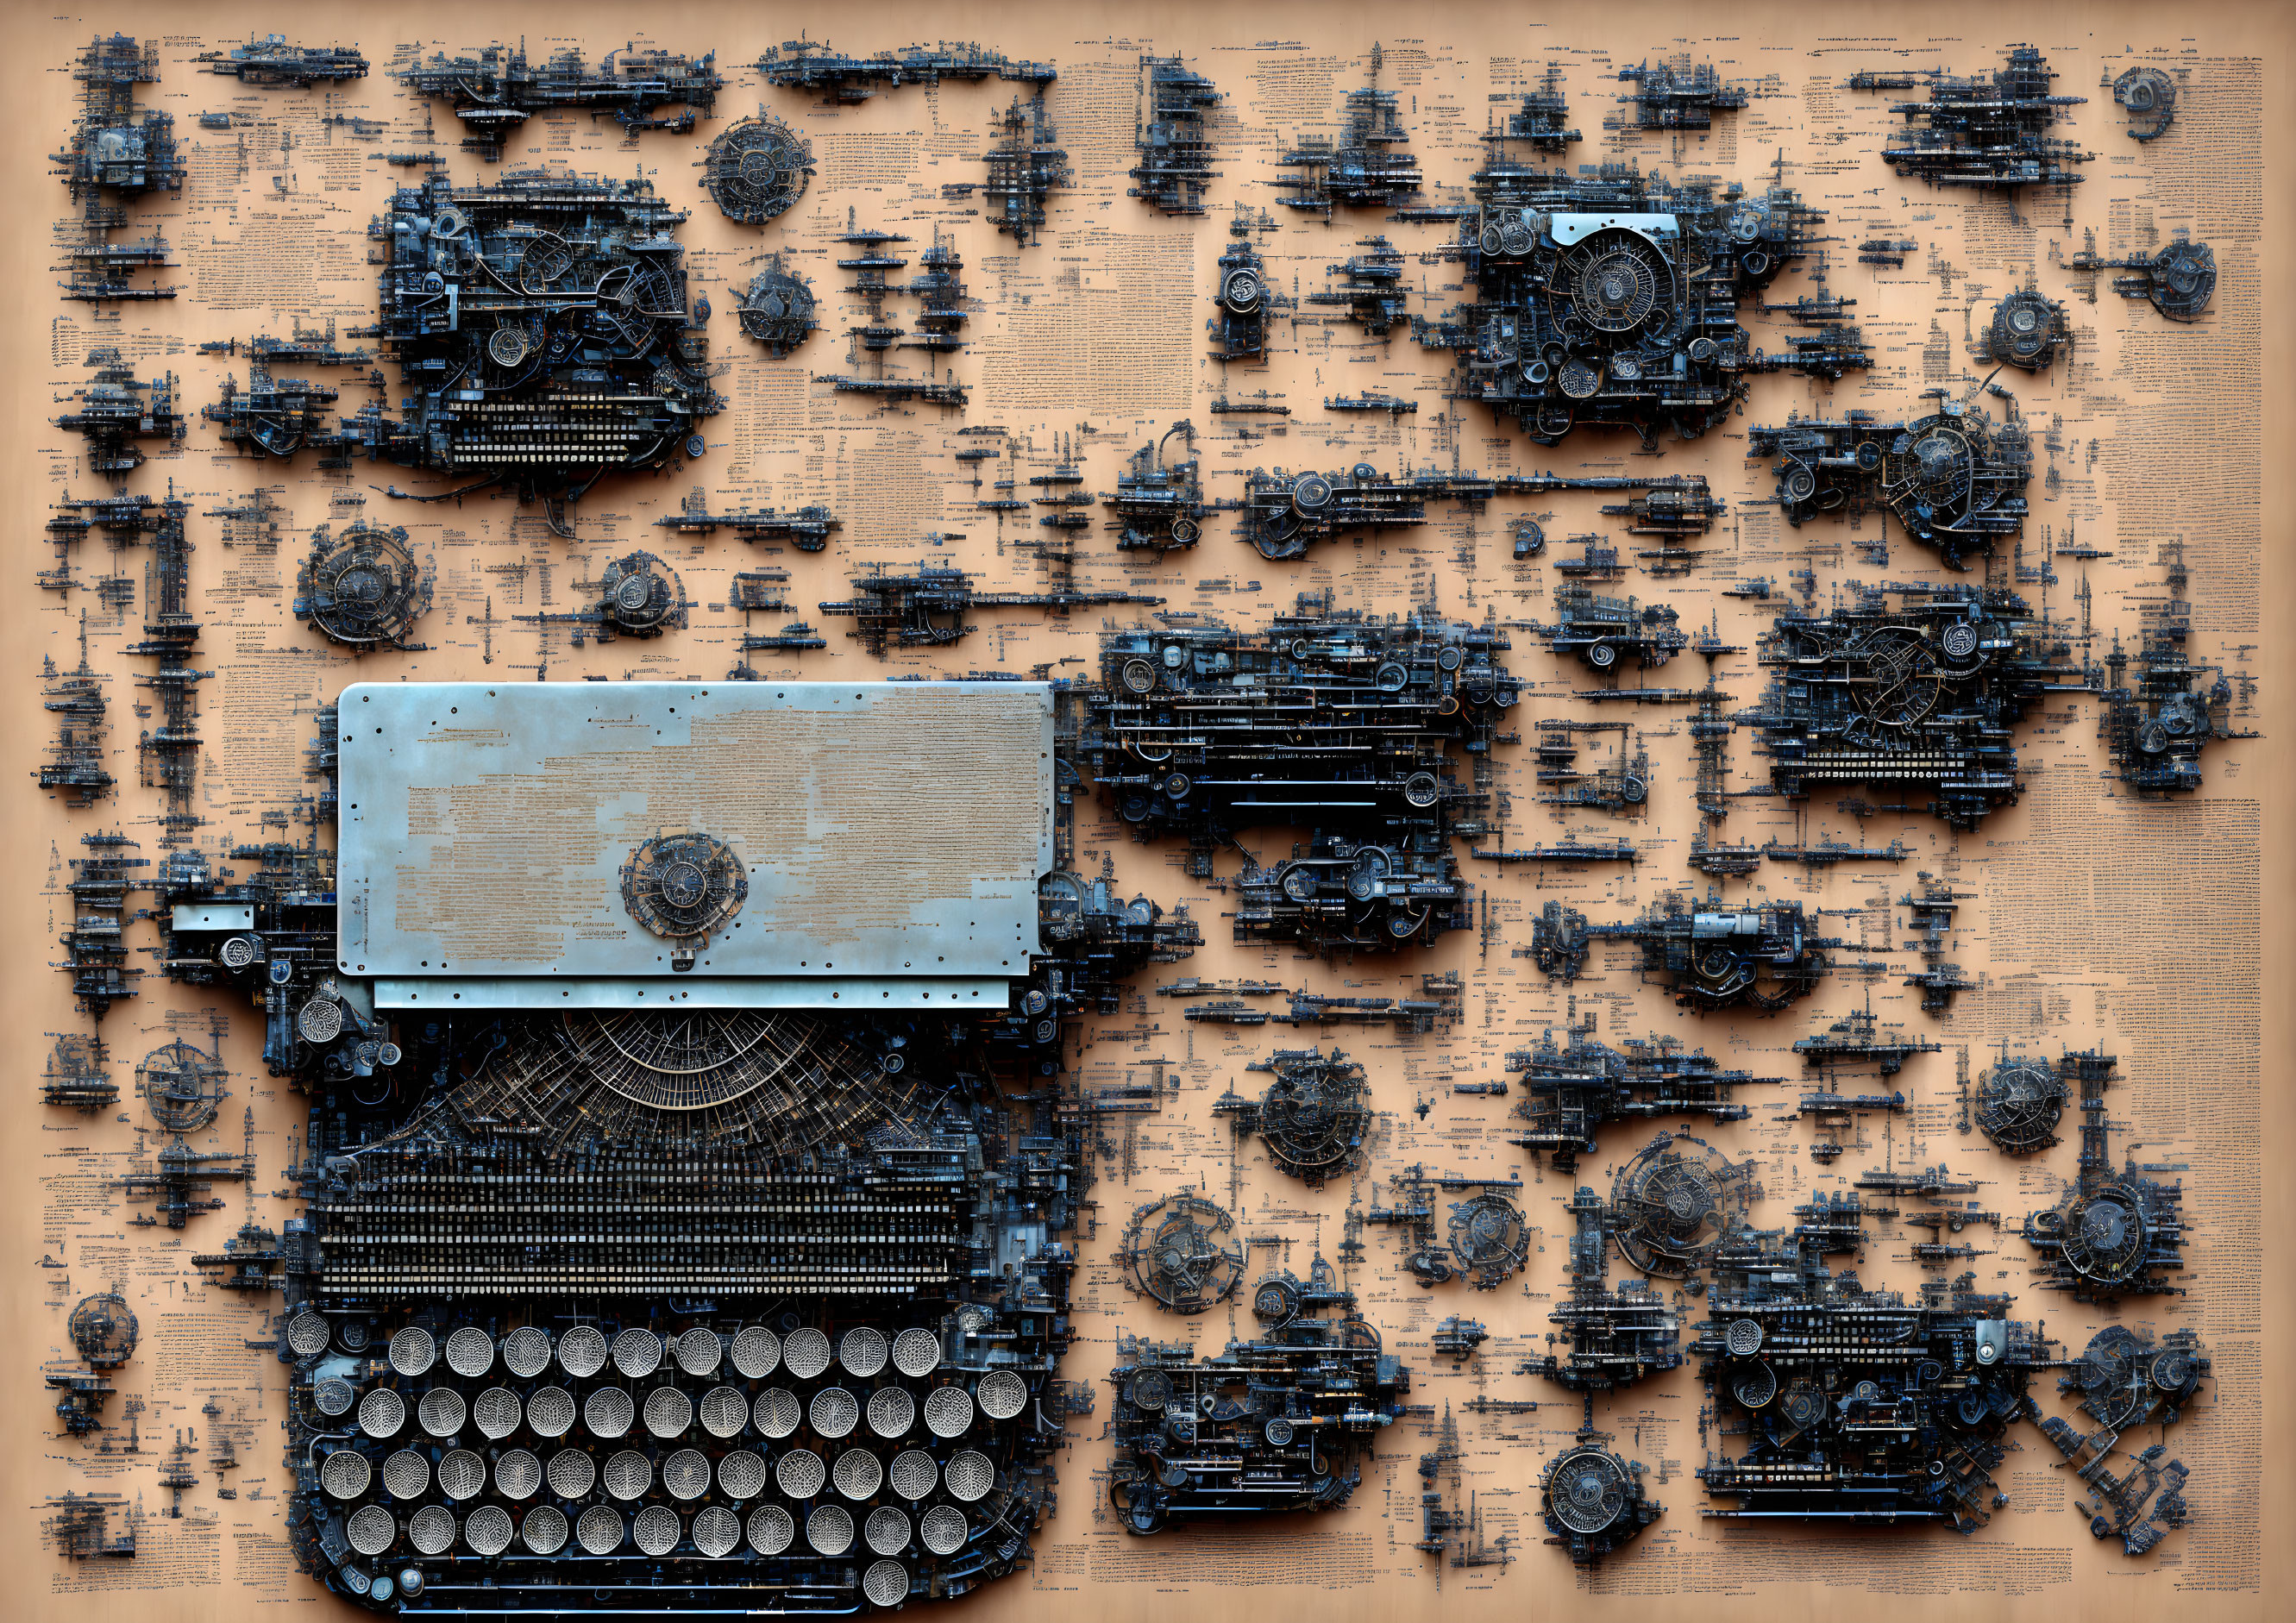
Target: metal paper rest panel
{"points": [[890, 835]]}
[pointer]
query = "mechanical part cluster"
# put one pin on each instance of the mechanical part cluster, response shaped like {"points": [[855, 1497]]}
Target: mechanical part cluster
{"points": [[1612, 299], [1955, 481], [1313, 1117], [1986, 133], [1273, 1424], [1916, 689], [497, 90], [1570, 1093], [1842, 1406], [1175, 148], [543, 326], [1759, 955]]}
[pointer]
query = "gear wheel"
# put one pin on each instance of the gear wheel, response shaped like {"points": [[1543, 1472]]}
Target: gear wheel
{"points": [[1240, 290], [1614, 281], [182, 1086], [2107, 1235], [2019, 1104], [1489, 1238], [1587, 1491], [1176, 1252], [1314, 1115], [102, 1331], [2028, 330], [1674, 1203], [757, 169], [684, 884], [363, 588], [640, 596], [2184, 279], [777, 309], [1903, 678]]}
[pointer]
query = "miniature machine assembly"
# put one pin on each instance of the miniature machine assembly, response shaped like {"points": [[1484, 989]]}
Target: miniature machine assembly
{"points": [[1986, 132], [1485, 1239], [940, 290], [927, 608], [1933, 908], [1571, 853], [2127, 1380], [272, 60], [1335, 895], [2156, 729], [1681, 94], [1273, 1424], [169, 752], [2019, 1101], [939, 321], [757, 169], [1284, 514], [1854, 1040], [499, 90], [806, 528], [117, 409], [1025, 167], [1176, 148], [1197, 728], [1570, 1094], [897, 391], [1366, 167], [95, 951], [1854, 1406], [1676, 1203], [1761, 954], [1611, 299], [1542, 122], [103, 1332], [1314, 1115], [182, 1085], [2115, 1234], [1240, 329], [1953, 480], [542, 323], [1914, 688], [2026, 330], [1620, 787], [119, 151], [1456, 1339], [2180, 280], [810, 64], [278, 416], [1158, 505], [1601, 630], [1371, 293], [1613, 1337], [76, 766]]}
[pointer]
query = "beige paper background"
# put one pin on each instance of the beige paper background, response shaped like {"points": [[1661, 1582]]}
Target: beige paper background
{"points": [[2161, 933]]}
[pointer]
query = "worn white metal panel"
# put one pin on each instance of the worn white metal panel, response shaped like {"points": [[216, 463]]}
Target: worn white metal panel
{"points": [[196, 916], [890, 833]]}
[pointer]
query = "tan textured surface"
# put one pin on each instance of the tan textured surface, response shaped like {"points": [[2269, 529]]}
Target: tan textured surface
{"points": [[2159, 932]]}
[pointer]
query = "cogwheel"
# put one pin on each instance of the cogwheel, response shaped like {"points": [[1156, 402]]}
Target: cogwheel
{"points": [[757, 169]]}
